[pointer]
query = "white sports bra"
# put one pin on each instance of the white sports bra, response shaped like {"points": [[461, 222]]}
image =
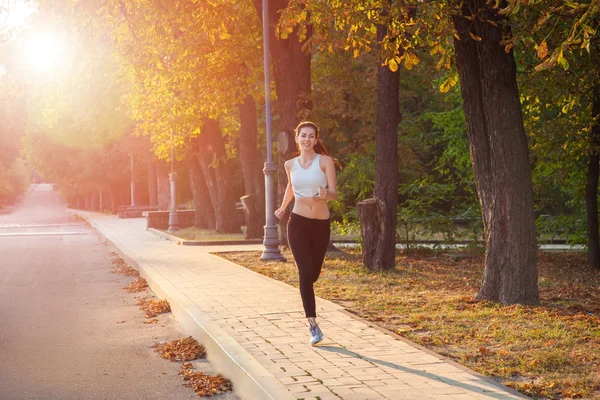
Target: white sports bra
{"points": [[306, 182]]}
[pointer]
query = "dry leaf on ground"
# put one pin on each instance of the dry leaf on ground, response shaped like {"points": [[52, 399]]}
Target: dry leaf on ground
{"points": [[154, 307], [186, 349], [121, 267], [139, 285], [204, 385]]}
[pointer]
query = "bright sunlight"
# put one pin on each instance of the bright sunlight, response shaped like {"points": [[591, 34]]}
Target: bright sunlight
{"points": [[44, 50], [14, 13]]}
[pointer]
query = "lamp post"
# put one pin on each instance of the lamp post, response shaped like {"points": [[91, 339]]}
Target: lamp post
{"points": [[271, 240], [173, 219]]}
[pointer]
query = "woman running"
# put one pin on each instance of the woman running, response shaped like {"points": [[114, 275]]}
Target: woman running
{"points": [[312, 182]]}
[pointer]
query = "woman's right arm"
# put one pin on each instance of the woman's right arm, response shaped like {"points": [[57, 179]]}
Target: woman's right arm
{"points": [[289, 193]]}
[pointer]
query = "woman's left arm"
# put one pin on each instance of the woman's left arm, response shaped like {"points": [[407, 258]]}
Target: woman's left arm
{"points": [[329, 193]]}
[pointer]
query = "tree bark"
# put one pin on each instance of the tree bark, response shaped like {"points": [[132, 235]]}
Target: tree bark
{"points": [[113, 201], [371, 214], [218, 177], [203, 207], [498, 147], [254, 181], [383, 256], [163, 186], [591, 188], [291, 69], [152, 184]]}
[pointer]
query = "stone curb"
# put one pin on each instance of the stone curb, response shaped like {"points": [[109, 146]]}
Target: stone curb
{"points": [[185, 242], [251, 381]]}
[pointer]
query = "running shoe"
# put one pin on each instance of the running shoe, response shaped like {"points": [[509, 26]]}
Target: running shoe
{"points": [[315, 335]]}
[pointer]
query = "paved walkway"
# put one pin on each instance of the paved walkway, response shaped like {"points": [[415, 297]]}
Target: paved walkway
{"points": [[257, 324]]}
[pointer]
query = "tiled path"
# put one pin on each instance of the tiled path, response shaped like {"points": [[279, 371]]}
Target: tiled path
{"points": [[265, 318]]}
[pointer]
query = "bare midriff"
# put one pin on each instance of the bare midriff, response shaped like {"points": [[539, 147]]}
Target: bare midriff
{"points": [[311, 207]]}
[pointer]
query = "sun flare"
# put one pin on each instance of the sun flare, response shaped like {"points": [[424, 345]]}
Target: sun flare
{"points": [[44, 51]]}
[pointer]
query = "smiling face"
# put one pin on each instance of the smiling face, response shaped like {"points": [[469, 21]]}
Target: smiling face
{"points": [[306, 138]]}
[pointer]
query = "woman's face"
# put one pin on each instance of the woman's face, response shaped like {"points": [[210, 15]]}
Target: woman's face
{"points": [[306, 138]]}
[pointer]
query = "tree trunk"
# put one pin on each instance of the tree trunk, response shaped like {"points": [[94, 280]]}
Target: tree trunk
{"points": [[217, 174], [163, 186], [371, 214], [254, 181], [291, 69], [123, 198], [152, 184], [204, 210], [113, 201], [591, 188], [498, 147], [382, 257]]}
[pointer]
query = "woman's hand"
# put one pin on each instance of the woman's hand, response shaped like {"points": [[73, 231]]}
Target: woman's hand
{"points": [[279, 212], [323, 193]]}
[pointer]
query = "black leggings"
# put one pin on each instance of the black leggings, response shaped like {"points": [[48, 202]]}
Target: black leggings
{"points": [[308, 239]]}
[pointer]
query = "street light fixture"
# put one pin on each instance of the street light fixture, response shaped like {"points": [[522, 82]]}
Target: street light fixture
{"points": [[271, 240]]}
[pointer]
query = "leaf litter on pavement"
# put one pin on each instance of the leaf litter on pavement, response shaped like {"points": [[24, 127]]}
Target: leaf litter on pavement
{"points": [[550, 350], [202, 384], [154, 307], [186, 349], [139, 285], [122, 268]]}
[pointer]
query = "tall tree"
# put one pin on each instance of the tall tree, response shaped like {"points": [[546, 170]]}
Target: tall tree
{"points": [[564, 34], [203, 207], [591, 189], [383, 255], [218, 177], [499, 153], [254, 200]]}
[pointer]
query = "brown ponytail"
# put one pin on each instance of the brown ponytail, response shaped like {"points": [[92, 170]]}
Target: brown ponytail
{"points": [[319, 146]]}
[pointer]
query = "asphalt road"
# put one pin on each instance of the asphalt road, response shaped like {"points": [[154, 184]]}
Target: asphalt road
{"points": [[67, 328]]}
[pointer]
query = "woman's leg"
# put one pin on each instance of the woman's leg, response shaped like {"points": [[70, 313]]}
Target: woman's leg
{"points": [[299, 234], [320, 242]]}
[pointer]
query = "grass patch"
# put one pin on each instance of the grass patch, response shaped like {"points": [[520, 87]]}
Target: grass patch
{"points": [[551, 350], [205, 235]]}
